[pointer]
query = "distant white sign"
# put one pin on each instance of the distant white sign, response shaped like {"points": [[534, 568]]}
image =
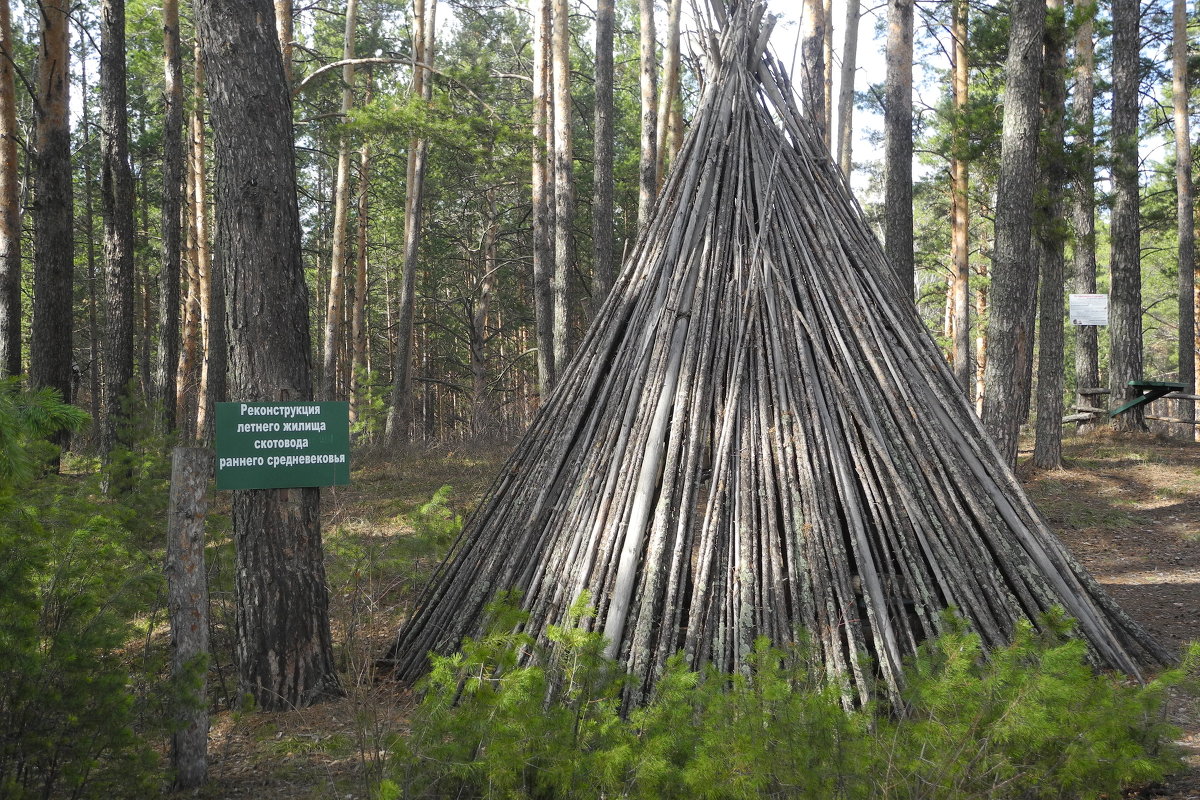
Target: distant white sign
{"points": [[1089, 309]]}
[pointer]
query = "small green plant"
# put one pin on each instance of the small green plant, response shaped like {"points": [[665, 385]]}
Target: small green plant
{"points": [[72, 577], [505, 718]]}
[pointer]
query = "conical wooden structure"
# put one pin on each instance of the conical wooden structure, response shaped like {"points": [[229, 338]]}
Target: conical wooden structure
{"points": [[758, 437]]}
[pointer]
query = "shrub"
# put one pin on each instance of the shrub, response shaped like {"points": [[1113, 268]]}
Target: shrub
{"points": [[71, 578], [1033, 720]]}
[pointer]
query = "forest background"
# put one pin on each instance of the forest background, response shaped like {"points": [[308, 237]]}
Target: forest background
{"points": [[444, 302]]}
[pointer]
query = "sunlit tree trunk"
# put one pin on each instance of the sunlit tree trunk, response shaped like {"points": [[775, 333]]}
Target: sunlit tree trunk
{"points": [[481, 417], [283, 27], [602, 174], [647, 186], [564, 183], [1185, 215], [335, 301], [543, 226], [845, 130], [1125, 296], [668, 91], [812, 63], [960, 257], [1083, 202], [898, 143]]}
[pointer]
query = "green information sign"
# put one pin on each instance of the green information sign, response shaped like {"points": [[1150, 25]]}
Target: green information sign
{"points": [[282, 445]]}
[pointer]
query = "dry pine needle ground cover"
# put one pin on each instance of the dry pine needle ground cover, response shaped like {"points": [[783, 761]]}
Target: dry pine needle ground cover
{"points": [[1128, 507]]}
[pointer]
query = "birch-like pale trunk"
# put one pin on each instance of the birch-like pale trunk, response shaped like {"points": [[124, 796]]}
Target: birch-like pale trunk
{"points": [[542, 193]]}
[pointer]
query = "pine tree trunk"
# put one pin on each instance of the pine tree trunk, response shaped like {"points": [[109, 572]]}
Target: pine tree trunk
{"points": [[335, 302], [1185, 217], [668, 91], [1014, 273], [647, 186], [960, 221], [1083, 202], [897, 131], [167, 361], [845, 132], [1125, 301], [283, 27], [116, 194], [481, 417], [211, 364], [602, 176], [981, 342], [812, 63], [1051, 243], [95, 395], [284, 649], [10, 207], [358, 319], [543, 225], [399, 421], [187, 381], [564, 185], [53, 233]]}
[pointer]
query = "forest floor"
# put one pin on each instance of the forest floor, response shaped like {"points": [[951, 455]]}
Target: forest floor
{"points": [[1128, 507]]}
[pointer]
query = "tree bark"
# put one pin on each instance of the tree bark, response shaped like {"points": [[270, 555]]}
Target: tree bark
{"points": [[668, 91], [187, 604], [53, 233], [564, 185], [399, 419], [1083, 201], [602, 176], [1051, 223], [543, 226], [898, 143], [283, 28], [481, 417], [845, 132], [167, 364], [210, 284], [358, 319], [1014, 273], [960, 217], [1185, 214], [116, 194], [1125, 300], [284, 650], [335, 302], [10, 207], [647, 186], [812, 63]]}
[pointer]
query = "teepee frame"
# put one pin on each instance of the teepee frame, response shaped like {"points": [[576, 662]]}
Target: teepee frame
{"points": [[758, 436]]}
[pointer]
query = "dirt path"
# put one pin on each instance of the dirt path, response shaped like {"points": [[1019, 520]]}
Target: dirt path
{"points": [[1129, 508], [1130, 511]]}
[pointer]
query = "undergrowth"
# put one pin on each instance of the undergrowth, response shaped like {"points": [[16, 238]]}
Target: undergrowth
{"points": [[1033, 720]]}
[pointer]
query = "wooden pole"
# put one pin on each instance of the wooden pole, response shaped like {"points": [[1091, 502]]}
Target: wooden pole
{"points": [[187, 602]]}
